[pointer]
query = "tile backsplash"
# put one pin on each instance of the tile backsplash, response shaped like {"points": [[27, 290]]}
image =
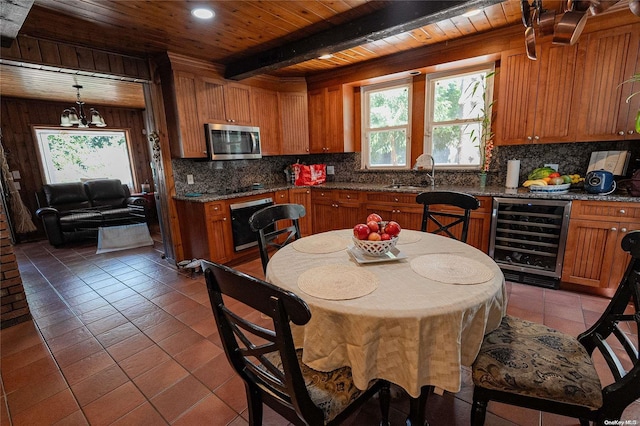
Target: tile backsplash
{"points": [[216, 176]]}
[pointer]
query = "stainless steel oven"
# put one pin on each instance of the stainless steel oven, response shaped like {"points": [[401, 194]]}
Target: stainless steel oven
{"points": [[243, 236]]}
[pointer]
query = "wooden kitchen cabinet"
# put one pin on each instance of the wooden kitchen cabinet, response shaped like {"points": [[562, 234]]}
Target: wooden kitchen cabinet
{"points": [[331, 119], [294, 123], [336, 209], [225, 102], [216, 243], [607, 58], [186, 133], [302, 196], [534, 102], [399, 207], [267, 118], [593, 256]]}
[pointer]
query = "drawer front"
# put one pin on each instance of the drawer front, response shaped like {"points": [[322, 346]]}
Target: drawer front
{"points": [[598, 210], [348, 195], [393, 198], [322, 194], [214, 209]]}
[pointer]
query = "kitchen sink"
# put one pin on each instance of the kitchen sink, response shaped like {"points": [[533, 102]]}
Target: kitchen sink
{"points": [[398, 186]]}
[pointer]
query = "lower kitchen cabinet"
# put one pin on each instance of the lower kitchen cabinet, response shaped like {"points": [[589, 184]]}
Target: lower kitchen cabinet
{"points": [[303, 196], [398, 207], [216, 244], [336, 209], [593, 256]]}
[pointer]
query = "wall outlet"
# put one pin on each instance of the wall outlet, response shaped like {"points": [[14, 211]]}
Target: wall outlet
{"points": [[15, 174], [330, 170], [190, 179]]}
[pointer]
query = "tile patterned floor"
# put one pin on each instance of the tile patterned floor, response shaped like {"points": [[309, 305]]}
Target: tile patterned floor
{"points": [[124, 338]]}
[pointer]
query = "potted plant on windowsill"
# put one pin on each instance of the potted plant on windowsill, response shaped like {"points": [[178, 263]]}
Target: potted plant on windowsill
{"points": [[485, 138], [634, 79]]}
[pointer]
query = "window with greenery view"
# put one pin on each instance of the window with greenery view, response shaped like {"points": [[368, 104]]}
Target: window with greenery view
{"points": [[456, 105], [385, 125], [72, 155]]}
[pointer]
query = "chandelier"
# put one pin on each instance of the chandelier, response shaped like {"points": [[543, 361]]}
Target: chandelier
{"points": [[76, 117]]}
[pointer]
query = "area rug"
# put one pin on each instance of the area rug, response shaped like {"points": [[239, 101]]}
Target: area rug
{"points": [[123, 237]]}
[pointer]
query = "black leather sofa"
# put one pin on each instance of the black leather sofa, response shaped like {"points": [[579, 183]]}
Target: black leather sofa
{"points": [[72, 211]]}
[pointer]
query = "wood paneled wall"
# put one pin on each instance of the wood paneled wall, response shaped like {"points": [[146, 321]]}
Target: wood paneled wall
{"points": [[19, 115]]}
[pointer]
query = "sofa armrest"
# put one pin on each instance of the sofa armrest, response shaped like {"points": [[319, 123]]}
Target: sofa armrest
{"points": [[47, 211], [51, 222], [137, 202]]}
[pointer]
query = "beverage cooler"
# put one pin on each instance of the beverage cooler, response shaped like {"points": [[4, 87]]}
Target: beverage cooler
{"points": [[528, 237]]}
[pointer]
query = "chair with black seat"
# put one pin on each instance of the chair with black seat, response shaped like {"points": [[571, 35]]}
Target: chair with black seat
{"points": [[530, 365], [265, 222], [443, 220], [264, 355]]}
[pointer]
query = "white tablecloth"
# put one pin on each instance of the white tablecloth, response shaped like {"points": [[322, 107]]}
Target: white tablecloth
{"points": [[411, 330]]}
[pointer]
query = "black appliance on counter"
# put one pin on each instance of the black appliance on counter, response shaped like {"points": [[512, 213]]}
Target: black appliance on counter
{"points": [[528, 237]]}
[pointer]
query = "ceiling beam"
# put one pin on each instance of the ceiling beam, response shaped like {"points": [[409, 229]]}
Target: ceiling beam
{"points": [[12, 15], [399, 17]]}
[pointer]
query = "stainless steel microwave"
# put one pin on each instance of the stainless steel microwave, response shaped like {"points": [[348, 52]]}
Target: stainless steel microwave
{"points": [[231, 142]]}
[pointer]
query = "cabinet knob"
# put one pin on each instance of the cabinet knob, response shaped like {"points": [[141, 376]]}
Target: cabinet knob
{"points": [[623, 229], [621, 133], [396, 200], [536, 137], [216, 208], [348, 197], [224, 218], [622, 211], [281, 195], [614, 229], [630, 132], [529, 138], [307, 191]]}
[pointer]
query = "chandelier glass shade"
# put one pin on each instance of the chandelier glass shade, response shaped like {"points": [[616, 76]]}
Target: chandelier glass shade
{"points": [[76, 117]]}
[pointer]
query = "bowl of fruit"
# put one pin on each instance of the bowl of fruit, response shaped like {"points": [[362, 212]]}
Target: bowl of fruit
{"points": [[547, 180], [376, 237]]}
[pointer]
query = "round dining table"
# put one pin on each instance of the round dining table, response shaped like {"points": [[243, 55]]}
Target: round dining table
{"points": [[413, 317]]}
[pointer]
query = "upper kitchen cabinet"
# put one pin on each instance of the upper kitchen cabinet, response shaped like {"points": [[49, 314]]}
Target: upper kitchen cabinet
{"points": [[534, 102], [186, 132], [331, 119], [294, 122], [266, 116], [225, 102], [607, 59]]}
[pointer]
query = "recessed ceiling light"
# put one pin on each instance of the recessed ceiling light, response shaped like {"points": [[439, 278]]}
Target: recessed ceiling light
{"points": [[472, 12], [203, 13], [326, 56]]}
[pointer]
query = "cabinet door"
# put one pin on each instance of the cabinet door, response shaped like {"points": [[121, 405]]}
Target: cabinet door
{"points": [[479, 231], [620, 257], [609, 58], [191, 142], [589, 252], [317, 120], [516, 99], [294, 123], [267, 118], [324, 216], [281, 197], [237, 103], [554, 94], [303, 196], [220, 239], [334, 138], [211, 100]]}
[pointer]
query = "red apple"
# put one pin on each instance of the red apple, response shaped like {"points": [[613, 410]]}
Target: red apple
{"points": [[374, 217], [392, 228], [361, 231], [374, 236], [385, 236], [373, 226]]}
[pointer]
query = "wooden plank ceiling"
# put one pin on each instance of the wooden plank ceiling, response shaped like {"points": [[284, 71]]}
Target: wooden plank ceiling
{"points": [[241, 29]]}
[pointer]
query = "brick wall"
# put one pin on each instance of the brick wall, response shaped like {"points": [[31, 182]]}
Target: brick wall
{"points": [[12, 298]]}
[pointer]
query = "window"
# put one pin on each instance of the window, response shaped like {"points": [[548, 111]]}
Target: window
{"points": [[72, 155], [454, 113], [385, 125]]}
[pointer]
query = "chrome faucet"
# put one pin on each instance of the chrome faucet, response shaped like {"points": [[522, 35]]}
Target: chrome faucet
{"points": [[432, 176]]}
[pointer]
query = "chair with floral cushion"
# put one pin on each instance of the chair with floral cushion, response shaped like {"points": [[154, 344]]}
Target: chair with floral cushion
{"points": [[530, 365], [264, 355]]}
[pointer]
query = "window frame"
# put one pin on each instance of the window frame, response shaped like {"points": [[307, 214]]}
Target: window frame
{"points": [[365, 129], [42, 157], [488, 67]]}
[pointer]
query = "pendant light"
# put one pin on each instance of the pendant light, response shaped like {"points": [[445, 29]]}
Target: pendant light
{"points": [[76, 117]]}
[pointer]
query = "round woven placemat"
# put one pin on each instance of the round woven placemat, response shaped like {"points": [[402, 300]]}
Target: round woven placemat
{"points": [[337, 282], [451, 269], [320, 243]]}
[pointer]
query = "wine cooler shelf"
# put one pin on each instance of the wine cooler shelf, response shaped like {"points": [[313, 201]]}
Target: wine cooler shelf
{"points": [[528, 236]]}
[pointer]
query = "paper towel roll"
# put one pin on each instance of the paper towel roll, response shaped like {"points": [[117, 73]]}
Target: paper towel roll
{"points": [[513, 173]]}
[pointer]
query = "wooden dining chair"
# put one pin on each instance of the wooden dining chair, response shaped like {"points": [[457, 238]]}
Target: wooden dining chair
{"points": [[530, 365], [446, 221], [265, 223], [263, 354]]}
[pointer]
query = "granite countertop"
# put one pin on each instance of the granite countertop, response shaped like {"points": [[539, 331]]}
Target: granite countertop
{"points": [[489, 191]]}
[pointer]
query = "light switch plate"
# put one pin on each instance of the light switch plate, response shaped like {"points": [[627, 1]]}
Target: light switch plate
{"points": [[330, 170], [15, 174], [190, 179]]}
